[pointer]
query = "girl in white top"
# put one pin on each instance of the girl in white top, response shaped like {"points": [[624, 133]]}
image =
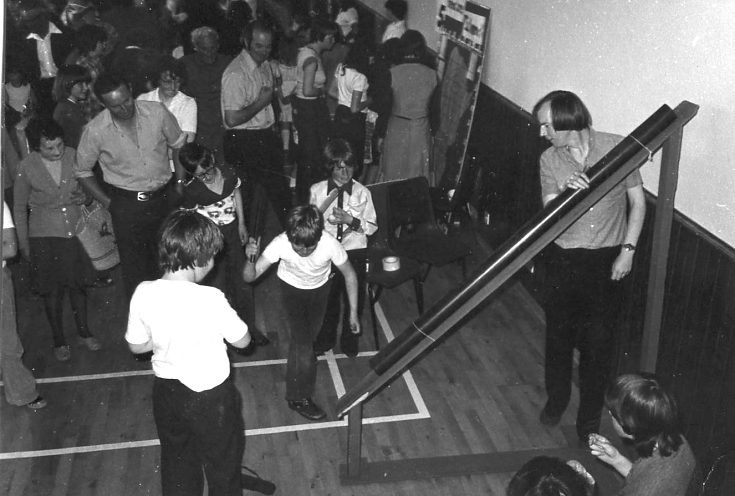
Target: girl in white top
{"points": [[350, 87], [311, 115]]}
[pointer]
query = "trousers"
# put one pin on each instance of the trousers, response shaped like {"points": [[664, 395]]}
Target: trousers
{"points": [[581, 311]]}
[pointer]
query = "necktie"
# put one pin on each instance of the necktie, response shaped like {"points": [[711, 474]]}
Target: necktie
{"points": [[340, 204]]}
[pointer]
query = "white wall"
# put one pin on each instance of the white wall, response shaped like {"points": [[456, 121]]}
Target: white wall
{"points": [[625, 58]]}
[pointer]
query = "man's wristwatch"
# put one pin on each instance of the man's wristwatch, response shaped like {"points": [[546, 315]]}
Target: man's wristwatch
{"points": [[629, 247]]}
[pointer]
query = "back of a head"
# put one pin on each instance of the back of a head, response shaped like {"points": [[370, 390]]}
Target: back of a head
{"points": [[399, 8], [413, 44], [645, 411], [321, 28], [187, 240], [548, 476]]}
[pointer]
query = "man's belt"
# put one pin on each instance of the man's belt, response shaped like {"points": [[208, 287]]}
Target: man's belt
{"points": [[141, 196]]}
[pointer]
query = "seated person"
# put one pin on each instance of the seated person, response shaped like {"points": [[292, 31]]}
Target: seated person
{"points": [[306, 255], [350, 217], [548, 476], [646, 415]]}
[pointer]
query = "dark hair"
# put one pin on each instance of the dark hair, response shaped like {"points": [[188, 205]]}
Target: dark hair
{"points": [[252, 27], [174, 66], [358, 58], [187, 240], [107, 82], [398, 8], [413, 44], [304, 225], [568, 113], [88, 36], [548, 476], [42, 127], [67, 77], [321, 28], [391, 51], [646, 412], [336, 151], [193, 155]]}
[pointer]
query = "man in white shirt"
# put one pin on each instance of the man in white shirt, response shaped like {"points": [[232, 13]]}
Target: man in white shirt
{"points": [[252, 143], [42, 49]]}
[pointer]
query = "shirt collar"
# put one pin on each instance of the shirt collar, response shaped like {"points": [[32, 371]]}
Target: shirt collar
{"points": [[52, 29], [345, 187]]}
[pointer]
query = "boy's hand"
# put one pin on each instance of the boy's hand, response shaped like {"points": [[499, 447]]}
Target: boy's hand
{"points": [[354, 323], [251, 248], [340, 216]]}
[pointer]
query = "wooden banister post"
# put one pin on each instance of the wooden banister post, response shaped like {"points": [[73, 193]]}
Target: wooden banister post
{"points": [[668, 179], [354, 441]]}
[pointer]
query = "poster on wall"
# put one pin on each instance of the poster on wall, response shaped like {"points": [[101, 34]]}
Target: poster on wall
{"points": [[461, 52]]}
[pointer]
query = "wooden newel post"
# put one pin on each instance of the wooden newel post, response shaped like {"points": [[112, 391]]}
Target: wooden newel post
{"points": [[354, 441], [668, 179]]}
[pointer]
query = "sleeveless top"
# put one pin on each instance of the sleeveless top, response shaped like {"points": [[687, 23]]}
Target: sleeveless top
{"points": [[320, 77]]}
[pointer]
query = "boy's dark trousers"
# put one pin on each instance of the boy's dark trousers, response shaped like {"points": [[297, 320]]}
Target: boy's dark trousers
{"points": [[198, 430]]}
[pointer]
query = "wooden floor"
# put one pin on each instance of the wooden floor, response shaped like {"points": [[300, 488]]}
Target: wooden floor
{"points": [[479, 392]]}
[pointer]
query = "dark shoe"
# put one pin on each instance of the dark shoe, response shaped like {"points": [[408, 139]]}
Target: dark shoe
{"points": [[258, 337], [307, 408], [37, 404], [143, 357], [255, 482], [247, 351], [349, 343], [548, 419]]}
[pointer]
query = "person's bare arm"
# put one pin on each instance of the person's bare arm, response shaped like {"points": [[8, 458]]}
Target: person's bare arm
{"points": [[93, 187], [636, 215], [253, 271], [240, 211], [236, 117], [141, 348], [10, 243], [310, 66]]}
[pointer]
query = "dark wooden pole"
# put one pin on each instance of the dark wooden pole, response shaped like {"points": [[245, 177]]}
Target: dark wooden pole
{"points": [[667, 182], [354, 441]]}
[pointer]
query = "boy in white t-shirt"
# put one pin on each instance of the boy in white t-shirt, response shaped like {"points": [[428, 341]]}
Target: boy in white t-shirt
{"points": [[195, 404], [306, 254]]}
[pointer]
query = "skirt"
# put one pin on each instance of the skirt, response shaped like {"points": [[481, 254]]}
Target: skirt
{"points": [[59, 262]]}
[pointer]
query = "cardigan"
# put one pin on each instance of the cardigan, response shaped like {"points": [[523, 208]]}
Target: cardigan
{"points": [[43, 208]]}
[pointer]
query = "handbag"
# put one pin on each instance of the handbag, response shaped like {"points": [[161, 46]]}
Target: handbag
{"points": [[94, 230]]}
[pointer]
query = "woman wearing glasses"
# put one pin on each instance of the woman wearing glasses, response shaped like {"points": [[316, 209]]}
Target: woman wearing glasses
{"points": [[644, 414], [213, 190]]}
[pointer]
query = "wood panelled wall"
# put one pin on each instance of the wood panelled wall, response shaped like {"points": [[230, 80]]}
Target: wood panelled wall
{"points": [[697, 346]]}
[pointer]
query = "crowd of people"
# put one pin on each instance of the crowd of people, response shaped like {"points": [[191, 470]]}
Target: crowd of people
{"points": [[189, 122]]}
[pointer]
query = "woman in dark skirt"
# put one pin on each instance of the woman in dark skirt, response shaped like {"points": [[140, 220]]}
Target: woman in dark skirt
{"points": [[48, 201]]}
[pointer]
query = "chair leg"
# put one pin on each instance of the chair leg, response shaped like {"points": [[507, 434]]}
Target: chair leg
{"points": [[418, 285], [373, 293]]}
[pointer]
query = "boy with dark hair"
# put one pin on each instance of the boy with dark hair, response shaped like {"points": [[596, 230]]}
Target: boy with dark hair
{"points": [[195, 404], [350, 217], [306, 255]]}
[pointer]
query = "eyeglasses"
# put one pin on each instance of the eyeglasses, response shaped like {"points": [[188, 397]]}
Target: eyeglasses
{"points": [[342, 165], [204, 177]]}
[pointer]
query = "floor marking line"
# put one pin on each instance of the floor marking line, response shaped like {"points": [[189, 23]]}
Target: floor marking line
{"points": [[248, 432], [331, 359], [339, 385], [410, 382], [134, 373]]}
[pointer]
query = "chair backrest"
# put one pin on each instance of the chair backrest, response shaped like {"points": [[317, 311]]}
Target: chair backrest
{"points": [[379, 193], [409, 204]]}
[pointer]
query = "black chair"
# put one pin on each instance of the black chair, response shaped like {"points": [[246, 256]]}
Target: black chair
{"points": [[376, 278], [412, 228]]}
